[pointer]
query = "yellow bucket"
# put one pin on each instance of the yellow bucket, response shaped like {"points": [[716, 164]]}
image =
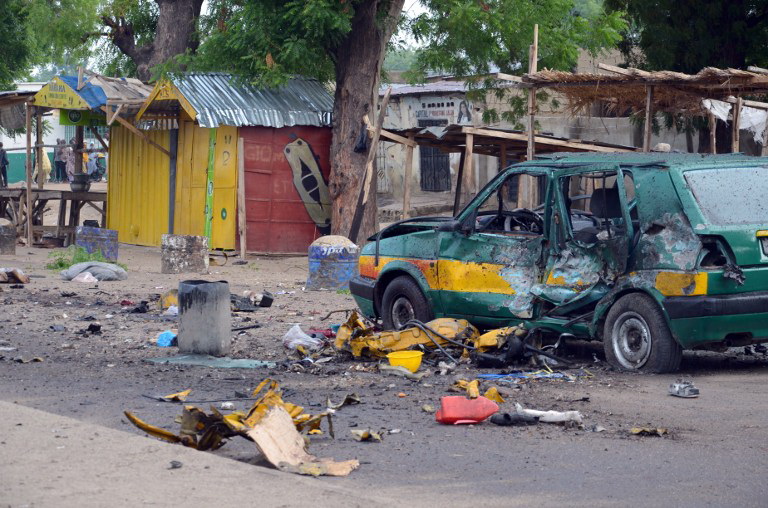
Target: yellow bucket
{"points": [[411, 360]]}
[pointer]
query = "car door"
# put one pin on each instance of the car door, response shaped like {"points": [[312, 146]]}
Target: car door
{"points": [[592, 229], [487, 268]]}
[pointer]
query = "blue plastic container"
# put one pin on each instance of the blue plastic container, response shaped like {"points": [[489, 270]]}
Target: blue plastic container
{"points": [[97, 239], [332, 262]]}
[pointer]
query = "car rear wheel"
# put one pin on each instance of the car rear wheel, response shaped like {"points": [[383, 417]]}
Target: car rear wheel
{"points": [[636, 336], [402, 302]]}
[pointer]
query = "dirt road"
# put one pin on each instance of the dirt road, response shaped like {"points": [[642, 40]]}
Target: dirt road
{"points": [[714, 455]]}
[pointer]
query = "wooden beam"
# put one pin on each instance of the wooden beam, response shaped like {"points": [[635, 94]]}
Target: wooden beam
{"points": [[111, 117], [79, 146], [408, 175], [747, 103], [459, 178], [39, 153], [648, 118], [503, 156], [99, 138], [468, 184], [576, 145], [508, 77], [712, 133], [365, 188], [633, 73], [757, 70], [533, 56], [735, 128], [389, 135], [242, 223], [125, 123], [29, 176]]}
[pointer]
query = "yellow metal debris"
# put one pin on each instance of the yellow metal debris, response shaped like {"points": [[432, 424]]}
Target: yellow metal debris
{"points": [[493, 394], [177, 397]]}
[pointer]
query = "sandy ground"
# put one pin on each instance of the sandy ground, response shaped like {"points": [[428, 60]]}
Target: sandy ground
{"points": [[715, 453]]}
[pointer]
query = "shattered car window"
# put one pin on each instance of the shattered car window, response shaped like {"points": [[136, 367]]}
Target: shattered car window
{"points": [[712, 189]]}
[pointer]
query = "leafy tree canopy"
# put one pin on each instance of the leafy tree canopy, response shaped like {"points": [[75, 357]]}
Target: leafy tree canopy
{"points": [[16, 53], [687, 36]]}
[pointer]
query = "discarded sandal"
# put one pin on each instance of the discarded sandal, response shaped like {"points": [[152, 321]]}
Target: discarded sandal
{"points": [[506, 419], [684, 389]]}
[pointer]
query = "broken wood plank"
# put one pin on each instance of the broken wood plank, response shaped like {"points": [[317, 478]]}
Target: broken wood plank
{"points": [[241, 219], [125, 123], [407, 177], [648, 118]]}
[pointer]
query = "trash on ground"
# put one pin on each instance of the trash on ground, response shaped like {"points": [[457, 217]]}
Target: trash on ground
{"points": [[401, 371], [295, 338], [446, 368], [457, 410], [13, 276], [471, 387], [366, 435], [264, 299], [493, 394], [85, 278], [514, 419], [410, 360], [428, 408], [517, 376], [173, 310], [241, 304], [101, 271], [684, 389], [360, 340], [177, 397], [273, 424], [648, 431], [34, 359], [175, 464], [227, 406], [167, 338], [212, 361], [57, 328], [141, 308], [551, 416], [169, 299]]}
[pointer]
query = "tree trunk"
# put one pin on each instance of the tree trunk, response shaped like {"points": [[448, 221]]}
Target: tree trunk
{"points": [[174, 35], [358, 66]]}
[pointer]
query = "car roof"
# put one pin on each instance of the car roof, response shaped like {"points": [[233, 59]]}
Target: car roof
{"points": [[644, 159]]}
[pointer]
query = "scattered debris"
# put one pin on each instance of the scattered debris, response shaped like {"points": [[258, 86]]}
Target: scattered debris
{"points": [[446, 368], [141, 308], [14, 276], [177, 397], [552, 416], [410, 360], [21, 359], [272, 424], [212, 361], [493, 394], [401, 371], [684, 389], [295, 338], [461, 410], [175, 464], [366, 435], [264, 299], [57, 328], [507, 419], [428, 408], [648, 431], [85, 278], [598, 428], [227, 406], [167, 338], [241, 304]]}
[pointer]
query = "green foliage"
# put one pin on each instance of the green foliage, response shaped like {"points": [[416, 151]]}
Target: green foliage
{"points": [[687, 36], [463, 37], [59, 29], [15, 47], [64, 258]]}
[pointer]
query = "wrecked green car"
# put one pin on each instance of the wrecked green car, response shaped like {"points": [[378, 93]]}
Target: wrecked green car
{"points": [[650, 253]]}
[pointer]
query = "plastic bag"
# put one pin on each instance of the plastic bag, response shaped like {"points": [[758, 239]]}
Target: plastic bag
{"points": [[296, 337], [167, 339], [86, 277]]}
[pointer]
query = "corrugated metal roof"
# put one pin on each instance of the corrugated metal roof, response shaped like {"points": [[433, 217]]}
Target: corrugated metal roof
{"points": [[435, 87], [220, 101]]}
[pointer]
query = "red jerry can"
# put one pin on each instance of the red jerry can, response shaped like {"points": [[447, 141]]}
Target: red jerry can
{"points": [[455, 409]]}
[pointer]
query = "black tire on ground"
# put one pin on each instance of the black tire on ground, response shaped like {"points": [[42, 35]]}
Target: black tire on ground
{"points": [[403, 301], [636, 336]]}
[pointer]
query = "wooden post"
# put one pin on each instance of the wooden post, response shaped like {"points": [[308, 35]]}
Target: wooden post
{"points": [[533, 56], [241, 218], [173, 144], [712, 133], [468, 184], [735, 128], [208, 225], [407, 177], [79, 149], [29, 175], [503, 157], [648, 118], [459, 178], [39, 152]]}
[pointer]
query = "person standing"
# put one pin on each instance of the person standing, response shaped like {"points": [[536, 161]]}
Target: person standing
{"points": [[3, 167], [69, 160], [59, 162]]}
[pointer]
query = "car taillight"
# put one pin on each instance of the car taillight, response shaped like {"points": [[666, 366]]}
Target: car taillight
{"points": [[763, 237]]}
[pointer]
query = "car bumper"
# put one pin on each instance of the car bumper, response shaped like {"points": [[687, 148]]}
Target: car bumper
{"points": [[363, 291], [696, 320]]}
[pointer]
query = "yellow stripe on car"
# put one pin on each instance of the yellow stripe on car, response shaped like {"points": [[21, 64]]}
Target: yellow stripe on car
{"points": [[681, 284]]}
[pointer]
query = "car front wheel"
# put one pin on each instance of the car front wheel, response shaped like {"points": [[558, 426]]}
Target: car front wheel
{"points": [[402, 302], [636, 336]]}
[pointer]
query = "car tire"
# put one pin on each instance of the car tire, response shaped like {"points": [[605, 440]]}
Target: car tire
{"points": [[402, 301], [636, 336]]}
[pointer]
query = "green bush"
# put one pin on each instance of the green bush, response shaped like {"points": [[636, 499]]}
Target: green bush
{"points": [[63, 259]]}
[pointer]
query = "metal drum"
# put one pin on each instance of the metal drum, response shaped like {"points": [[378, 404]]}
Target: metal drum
{"points": [[332, 262], [205, 317]]}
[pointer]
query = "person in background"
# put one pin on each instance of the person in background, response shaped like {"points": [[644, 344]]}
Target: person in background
{"points": [[60, 164], [69, 159], [3, 167], [90, 162]]}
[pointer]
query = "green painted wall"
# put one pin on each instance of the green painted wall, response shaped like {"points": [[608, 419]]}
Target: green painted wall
{"points": [[16, 169]]}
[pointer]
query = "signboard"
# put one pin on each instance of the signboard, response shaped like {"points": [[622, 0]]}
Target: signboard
{"points": [[84, 118], [58, 94], [165, 91]]}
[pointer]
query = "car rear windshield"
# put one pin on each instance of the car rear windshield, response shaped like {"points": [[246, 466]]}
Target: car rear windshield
{"points": [[731, 196]]}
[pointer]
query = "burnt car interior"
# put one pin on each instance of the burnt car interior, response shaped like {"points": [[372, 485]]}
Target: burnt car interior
{"points": [[499, 213]]}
